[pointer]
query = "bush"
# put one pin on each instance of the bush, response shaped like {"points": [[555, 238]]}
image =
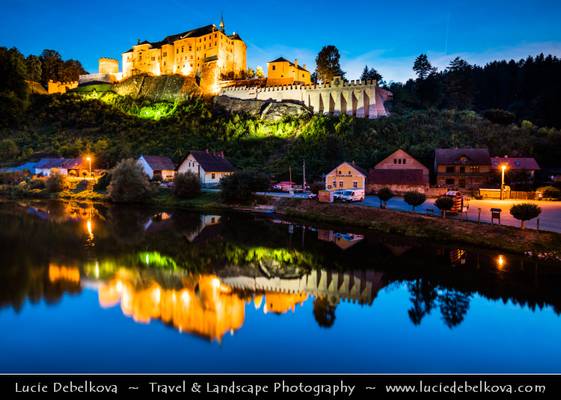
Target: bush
{"points": [[11, 178], [499, 116], [187, 185], [240, 186], [414, 199], [384, 194], [55, 183], [317, 186], [550, 192], [444, 203], [102, 182], [525, 212], [129, 183]]}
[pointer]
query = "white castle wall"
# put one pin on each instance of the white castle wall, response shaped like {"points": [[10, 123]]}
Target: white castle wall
{"points": [[357, 98]]}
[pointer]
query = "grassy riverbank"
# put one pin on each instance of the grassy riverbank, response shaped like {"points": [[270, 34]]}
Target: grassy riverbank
{"points": [[541, 244], [438, 230]]}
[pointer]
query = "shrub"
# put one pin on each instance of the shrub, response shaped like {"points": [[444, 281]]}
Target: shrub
{"points": [[240, 186], [414, 199], [384, 194], [550, 192], [317, 186], [11, 178], [187, 185], [55, 183], [444, 203], [525, 212], [102, 182], [129, 183], [499, 116]]}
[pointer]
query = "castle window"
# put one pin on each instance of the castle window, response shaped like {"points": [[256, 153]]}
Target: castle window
{"points": [[177, 51], [165, 54], [274, 67], [153, 58]]}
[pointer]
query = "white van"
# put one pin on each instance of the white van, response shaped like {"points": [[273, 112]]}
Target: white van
{"points": [[348, 196]]}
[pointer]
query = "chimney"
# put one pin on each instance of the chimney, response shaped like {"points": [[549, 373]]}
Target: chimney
{"points": [[296, 63]]}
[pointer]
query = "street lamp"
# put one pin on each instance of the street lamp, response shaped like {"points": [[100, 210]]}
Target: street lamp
{"points": [[503, 169]]}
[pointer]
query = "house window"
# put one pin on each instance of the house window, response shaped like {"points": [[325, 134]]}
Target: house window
{"points": [[462, 170], [355, 184], [395, 160], [462, 183], [404, 161], [213, 175], [274, 67], [449, 170], [334, 184], [450, 181], [341, 184]]}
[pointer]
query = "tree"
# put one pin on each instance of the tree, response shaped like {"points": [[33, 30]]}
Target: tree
{"points": [[8, 149], [51, 66], [259, 72], [240, 186], [13, 73], [250, 74], [525, 212], [129, 183], [444, 203], [327, 64], [55, 183], [187, 185], [422, 67], [414, 199], [34, 68], [459, 84], [370, 74], [102, 182], [384, 194]]}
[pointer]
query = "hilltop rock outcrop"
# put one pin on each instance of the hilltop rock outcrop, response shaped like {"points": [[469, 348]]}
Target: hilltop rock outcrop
{"points": [[265, 109]]}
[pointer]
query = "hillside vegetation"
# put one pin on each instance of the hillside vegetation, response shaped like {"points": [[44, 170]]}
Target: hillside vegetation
{"points": [[115, 127]]}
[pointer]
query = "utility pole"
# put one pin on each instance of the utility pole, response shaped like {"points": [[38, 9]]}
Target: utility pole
{"points": [[304, 175]]}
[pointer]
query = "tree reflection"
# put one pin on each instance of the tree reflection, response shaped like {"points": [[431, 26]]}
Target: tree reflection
{"points": [[454, 306], [324, 311], [423, 297]]}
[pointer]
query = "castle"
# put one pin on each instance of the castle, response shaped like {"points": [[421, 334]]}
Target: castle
{"points": [[216, 61]]}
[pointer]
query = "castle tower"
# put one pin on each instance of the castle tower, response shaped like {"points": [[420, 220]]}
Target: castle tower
{"points": [[221, 25]]}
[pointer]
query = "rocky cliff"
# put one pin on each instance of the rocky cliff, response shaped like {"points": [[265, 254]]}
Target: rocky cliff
{"points": [[158, 88], [265, 109]]}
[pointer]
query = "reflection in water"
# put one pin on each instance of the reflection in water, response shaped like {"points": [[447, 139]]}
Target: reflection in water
{"points": [[203, 306], [198, 273]]}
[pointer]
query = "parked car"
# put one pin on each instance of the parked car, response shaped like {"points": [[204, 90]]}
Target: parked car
{"points": [[285, 186], [348, 196]]}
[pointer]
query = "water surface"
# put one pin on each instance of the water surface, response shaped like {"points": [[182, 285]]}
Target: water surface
{"points": [[120, 289]]}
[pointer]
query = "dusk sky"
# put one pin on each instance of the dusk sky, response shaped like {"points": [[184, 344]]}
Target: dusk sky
{"points": [[385, 35]]}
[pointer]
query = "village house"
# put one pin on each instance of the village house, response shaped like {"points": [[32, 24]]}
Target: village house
{"points": [[209, 167], [74, 167], [157, 167], [347, 176], [400, 172], [466, 168], [516, 165]]}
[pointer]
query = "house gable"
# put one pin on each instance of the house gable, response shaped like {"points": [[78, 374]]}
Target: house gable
{"points": [[400, 159]]}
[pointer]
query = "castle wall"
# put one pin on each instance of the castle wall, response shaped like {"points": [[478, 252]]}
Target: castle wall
{"points": [[356, 98]]}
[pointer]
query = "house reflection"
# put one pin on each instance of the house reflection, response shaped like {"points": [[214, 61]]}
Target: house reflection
{"points": [[343, 240]]}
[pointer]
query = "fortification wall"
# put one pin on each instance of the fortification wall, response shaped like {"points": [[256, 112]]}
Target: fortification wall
{"points": [[357, 98], [60, 87]]}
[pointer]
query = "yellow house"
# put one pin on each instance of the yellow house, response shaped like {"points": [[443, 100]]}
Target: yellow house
{"points": [[283, 72], [346, 176], [207, 51]]}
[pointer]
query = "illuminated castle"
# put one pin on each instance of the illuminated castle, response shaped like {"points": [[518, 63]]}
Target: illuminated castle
{"points": [[206, 53]]}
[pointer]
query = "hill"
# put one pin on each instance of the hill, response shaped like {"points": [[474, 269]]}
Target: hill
{"points": [[112, 127]]}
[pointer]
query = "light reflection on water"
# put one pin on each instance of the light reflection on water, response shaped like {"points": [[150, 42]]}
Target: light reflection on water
{"points": [[377, 303]]}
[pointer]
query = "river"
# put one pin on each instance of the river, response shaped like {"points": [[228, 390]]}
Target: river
{"points": [[95, 288]]}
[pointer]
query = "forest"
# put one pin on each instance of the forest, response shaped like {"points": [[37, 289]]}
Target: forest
{"points": [[517, 116]]}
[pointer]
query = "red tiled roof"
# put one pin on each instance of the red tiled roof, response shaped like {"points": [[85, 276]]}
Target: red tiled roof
{"points": [[525, 163], [160, 163], [397, 177], [454, 156]]}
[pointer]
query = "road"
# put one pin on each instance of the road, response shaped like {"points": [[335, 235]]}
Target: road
{"points": [[550, 218]]}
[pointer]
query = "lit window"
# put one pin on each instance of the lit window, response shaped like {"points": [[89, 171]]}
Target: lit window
{"points": [[341, 184], [355, 184]]}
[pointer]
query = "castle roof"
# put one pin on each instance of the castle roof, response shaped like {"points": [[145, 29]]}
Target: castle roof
{"points": [[282, 59], [193, 33]]}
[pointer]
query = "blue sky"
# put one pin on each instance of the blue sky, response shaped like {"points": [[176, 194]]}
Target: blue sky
{"points": [[385, 35]]}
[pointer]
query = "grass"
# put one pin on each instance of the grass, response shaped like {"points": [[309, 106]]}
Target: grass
{"points": [[543, 244]]}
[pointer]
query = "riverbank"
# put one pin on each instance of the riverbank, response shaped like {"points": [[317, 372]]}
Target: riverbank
{"points": [[543, 245], [530, 242]]}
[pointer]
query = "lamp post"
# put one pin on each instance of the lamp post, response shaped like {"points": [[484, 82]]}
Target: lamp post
{"points": [[503, 169]]}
